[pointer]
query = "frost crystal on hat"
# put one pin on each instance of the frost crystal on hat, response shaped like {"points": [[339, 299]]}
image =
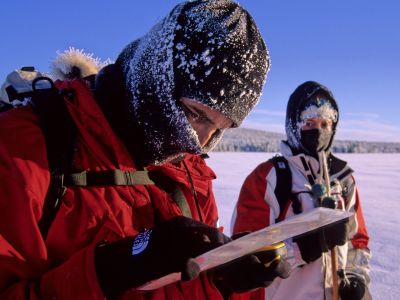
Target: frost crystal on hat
{"points": [[147, 65], [220, 58], [209, 51], [318, 109]]}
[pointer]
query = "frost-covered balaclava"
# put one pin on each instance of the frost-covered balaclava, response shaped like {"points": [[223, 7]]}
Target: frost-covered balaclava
{"points": [[310, 100], [209, 51]]}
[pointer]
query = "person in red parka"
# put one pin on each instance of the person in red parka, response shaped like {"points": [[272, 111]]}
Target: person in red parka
{"points": [[145, 122]]}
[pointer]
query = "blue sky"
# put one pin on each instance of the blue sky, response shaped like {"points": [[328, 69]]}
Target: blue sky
{"points": [[352, 47]]}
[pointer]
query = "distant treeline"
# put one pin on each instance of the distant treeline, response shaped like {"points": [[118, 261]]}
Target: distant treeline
{"points": [[251, 140]]}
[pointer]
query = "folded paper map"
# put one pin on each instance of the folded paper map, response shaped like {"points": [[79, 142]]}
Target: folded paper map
{"points": [[289, 228]]}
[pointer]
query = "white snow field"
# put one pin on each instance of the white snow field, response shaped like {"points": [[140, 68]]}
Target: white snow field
{"points": [[378, 179]]}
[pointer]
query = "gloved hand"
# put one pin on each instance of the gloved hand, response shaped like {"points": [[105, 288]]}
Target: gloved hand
{"points": [[167, 248], [249, 272], [353, 288], [312, 244]]}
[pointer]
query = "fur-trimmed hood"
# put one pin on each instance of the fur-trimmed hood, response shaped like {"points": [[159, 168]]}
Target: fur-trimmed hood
{"points": [[75, 63]]}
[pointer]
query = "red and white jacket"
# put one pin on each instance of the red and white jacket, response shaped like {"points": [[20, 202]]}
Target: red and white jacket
{"points": [[258, 207]]}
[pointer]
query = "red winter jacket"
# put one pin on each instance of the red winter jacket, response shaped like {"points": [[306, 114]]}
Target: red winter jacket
{"points": [[62, 266]]}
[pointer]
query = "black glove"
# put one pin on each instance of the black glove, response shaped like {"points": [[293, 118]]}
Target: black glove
{"points": [[249, 272], [167, 248], [312, 244], [353, 288]]}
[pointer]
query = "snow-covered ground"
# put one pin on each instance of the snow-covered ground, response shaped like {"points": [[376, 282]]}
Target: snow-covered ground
{"points": [[378, 178]]}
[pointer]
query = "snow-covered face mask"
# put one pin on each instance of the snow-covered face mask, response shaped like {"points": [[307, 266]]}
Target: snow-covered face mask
{"points": [[166, 132], [170, 133]]}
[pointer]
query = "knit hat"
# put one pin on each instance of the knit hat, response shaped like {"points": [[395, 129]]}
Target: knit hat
{"points": [[309, 100], [220, 58], [209, 51]]}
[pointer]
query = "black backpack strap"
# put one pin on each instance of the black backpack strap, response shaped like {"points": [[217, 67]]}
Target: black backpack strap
{"points": [[59, 129], [130, 178], [172, 188], [283, 188], [60, 134], [108, 178], [4, 106], [55, 192]]}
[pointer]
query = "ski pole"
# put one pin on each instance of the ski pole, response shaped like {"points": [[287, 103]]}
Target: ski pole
{"points": [[335, 281], [334, 263]]}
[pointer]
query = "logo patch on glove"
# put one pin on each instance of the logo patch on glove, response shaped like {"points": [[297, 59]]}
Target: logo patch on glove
{"points": [[140, 242]]}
